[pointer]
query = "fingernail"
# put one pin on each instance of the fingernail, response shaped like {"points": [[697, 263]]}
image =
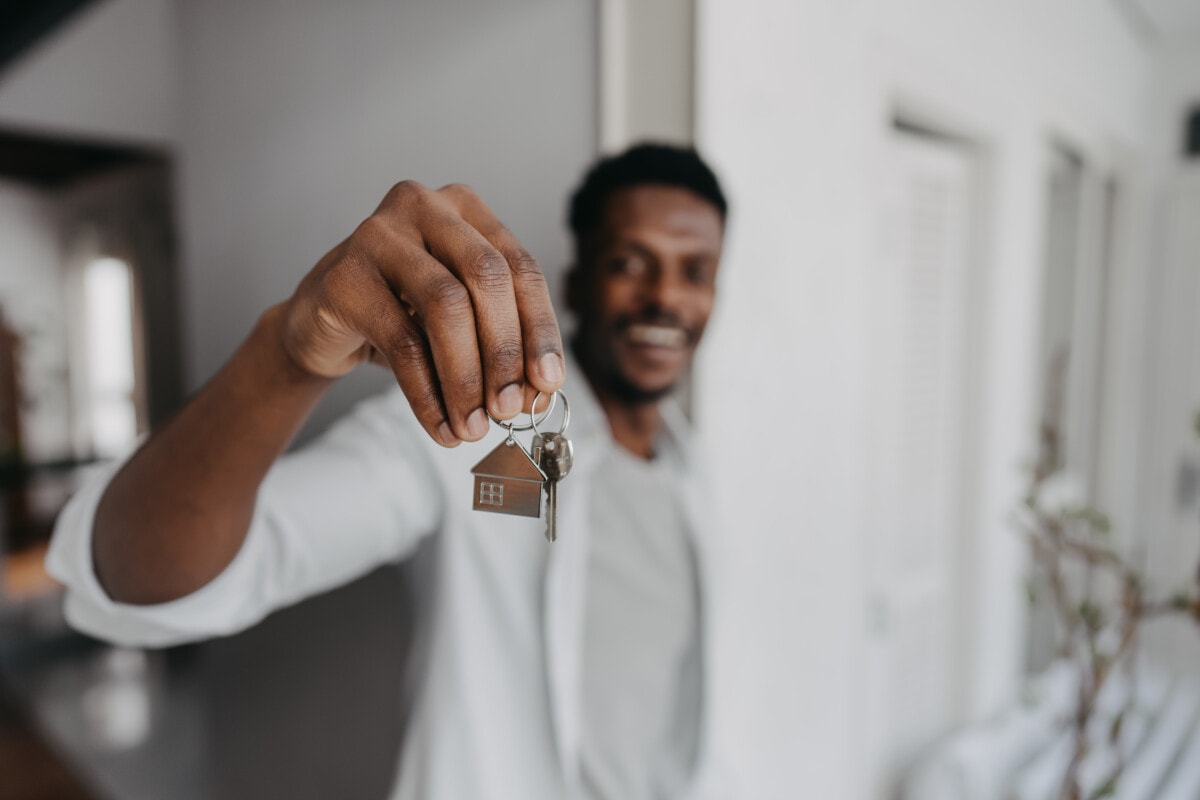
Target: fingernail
{"points": [[509, 401], [550, 367], [477, 423], [446, 436]]}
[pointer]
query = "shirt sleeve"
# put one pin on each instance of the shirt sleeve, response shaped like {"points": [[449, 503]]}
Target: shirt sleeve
{"points": [[364, 493]]}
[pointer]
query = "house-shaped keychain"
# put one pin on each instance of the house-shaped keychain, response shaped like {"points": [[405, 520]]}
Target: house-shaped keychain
{"points": [[508, 481]]}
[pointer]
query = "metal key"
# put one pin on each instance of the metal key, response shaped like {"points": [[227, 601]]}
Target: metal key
{"points": [[555, 455]]}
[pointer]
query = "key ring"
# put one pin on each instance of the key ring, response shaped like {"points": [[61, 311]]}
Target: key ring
{"points": [[566, 412], [533, 422]]}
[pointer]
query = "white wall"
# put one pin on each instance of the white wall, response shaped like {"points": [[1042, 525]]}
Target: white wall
{"points": [[1170, 518], [794, 104], [298, 117], [110, 72]]}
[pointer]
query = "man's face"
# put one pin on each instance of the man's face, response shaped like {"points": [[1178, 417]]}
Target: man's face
{"points": [[644, 290]]}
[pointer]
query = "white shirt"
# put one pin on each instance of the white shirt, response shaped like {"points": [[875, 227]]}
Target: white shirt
{"points": [[642, 666], [498, 713]]}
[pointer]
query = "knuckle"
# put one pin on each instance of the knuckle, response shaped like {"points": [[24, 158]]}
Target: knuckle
{"points": [[490, 270], [346, 278], [371, 230], [506, 354], [407, 193], [523, 264], [332, 283], [458, 191], [449, 297], [408, 348]]}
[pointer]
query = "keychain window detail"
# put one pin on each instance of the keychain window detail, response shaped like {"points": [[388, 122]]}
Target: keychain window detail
{"points": [[491, 494]]}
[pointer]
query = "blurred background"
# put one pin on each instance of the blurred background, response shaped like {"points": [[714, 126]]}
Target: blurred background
{"points": [[948, 220]]}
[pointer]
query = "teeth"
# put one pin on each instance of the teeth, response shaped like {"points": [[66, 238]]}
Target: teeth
{"points": [[657, 335]]}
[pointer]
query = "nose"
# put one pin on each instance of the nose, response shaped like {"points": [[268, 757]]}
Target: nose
{"points": [[664, 288]]}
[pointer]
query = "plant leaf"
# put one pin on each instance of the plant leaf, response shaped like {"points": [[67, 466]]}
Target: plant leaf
{"points": [[1094, 518]]}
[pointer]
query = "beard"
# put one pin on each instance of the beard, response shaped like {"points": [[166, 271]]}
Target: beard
{"points": [[601, 366], [630, 393]]}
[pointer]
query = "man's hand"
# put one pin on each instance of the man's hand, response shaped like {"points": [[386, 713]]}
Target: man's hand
{"points": [[436, 288], [431, 284]]}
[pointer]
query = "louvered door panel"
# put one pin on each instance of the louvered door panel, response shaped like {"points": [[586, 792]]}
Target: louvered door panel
{"points": [[920, 344]]}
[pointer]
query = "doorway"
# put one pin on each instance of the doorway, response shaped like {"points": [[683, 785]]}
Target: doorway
{"points": [[925, 333], [89, 334]]}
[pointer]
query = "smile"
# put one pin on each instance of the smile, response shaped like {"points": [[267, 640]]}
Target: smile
{"points": [[657, 336]]}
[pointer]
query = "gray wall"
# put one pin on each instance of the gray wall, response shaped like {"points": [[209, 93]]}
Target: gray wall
{"points": [[109, 72], [298, 116]]}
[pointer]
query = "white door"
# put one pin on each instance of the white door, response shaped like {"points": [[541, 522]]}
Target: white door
{"points": [[923, 330]]}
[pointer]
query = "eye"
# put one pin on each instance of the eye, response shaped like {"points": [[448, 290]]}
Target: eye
{"points": [[630, 264], [699, 272]]}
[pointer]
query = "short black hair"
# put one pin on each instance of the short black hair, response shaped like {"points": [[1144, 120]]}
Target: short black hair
{"points": [[646, 163]]}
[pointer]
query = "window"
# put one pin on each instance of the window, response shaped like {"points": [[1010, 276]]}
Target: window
{"points": [[1081, 219], [491, 494], [111, 411]]}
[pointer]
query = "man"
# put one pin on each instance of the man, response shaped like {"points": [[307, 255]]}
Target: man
{"points": [[578, 669]]}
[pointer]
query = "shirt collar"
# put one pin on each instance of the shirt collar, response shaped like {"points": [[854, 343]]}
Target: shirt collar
{"points": [[588, 421]]}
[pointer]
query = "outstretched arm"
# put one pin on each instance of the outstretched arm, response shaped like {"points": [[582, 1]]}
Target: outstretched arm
{"points": [[432, 285]]}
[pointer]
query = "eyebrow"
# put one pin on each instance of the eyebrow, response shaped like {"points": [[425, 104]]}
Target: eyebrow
{"points": [[642, 250], [630, 245]]}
